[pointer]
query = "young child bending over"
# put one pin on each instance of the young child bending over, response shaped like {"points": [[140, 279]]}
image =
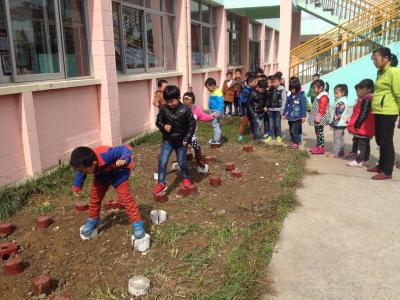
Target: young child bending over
{"points": [[177, 125], [256, 105], [295, 112], [362, 123], [215, 105], [319, 115], [199, 115], [339, 119], [110, 166]]}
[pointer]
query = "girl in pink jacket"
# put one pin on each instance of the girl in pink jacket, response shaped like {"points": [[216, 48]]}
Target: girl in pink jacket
{"points": [[199, 115]]}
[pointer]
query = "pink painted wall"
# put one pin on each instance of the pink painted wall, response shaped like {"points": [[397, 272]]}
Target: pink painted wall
{"points": [[66, 119], [199, 90], [12, 162], [134, 101]]}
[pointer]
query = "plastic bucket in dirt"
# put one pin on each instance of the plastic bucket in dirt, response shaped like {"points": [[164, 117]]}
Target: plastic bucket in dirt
{"points": [[93, 235], [6, 229], [13, 266], [138, 286], [141, 245], [158, 216]]}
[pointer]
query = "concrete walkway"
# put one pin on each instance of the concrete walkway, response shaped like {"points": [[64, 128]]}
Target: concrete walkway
{"points": [[343, 241]]}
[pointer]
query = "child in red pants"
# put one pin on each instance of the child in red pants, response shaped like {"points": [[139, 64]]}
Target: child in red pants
{"points": [[110, 166]]}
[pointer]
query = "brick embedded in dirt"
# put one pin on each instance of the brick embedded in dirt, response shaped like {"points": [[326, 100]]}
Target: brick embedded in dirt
{"points": [[6, 229], [41, 284], [208, 159], [192, 189], [59, 297], [236, 174], [13, 266], [43, 222], [230, 166], [81, 206], [7, 250], [248, 148], [162, 197], [215, 180]]}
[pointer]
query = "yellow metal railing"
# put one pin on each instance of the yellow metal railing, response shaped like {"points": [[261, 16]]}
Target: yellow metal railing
{"points": [[376, 26]]}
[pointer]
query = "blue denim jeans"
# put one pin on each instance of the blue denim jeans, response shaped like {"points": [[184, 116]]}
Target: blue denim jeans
{"points": [[166, 151], [243, 109], [266, 124], [295, 129], [257, 121], [275, 128], [217, 129]]}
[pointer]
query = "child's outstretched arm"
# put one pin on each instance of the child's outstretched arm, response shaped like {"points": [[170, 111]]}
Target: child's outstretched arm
{"points": [[365, 110], [78, 182], [202, 116]]}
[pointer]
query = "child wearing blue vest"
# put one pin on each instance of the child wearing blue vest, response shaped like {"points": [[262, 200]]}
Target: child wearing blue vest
{"points": [[216, 107], [339, 119]]}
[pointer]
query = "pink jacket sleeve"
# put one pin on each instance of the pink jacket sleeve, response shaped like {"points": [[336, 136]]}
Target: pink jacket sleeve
{"points": [[200, 115]]}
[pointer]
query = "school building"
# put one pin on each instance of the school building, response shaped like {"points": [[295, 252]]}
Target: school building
{"points": [[83, 72]]}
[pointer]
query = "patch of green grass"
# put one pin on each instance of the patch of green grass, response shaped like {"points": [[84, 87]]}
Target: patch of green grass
{"points": [[168, 234], [41, 208], [147, 138], [107, 293]]}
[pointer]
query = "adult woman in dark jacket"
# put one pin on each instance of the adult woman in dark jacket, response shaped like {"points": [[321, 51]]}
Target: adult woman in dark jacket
{"points": [[386, 108]]}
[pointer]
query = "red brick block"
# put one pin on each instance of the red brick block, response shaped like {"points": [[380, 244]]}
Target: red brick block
{"points": [[81, 206], [236, 174], [248, 148], [215, 180], [6, 228], [43, 222], [162, 197], [7, 250], [13, 266], [41, 285], [230, 166]]}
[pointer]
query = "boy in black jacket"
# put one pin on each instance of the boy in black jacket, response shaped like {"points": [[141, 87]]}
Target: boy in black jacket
{"points": [[256, 106], [177, 125]]}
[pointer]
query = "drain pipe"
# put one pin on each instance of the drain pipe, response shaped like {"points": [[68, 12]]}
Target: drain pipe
{"points": [[188, 48]]}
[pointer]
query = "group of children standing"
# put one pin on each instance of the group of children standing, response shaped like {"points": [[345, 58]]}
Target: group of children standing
{"points": [[260, 101]]}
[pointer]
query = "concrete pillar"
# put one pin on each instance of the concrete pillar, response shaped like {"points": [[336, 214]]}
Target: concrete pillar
{"points": [[244, 43], [285, 36], [183, 42], [104, 68], [222, 37], [296, 29], [263, 61], [29, 135]]}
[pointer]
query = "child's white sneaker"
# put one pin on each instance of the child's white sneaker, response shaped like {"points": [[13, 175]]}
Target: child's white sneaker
{"points": [[355, 164]]}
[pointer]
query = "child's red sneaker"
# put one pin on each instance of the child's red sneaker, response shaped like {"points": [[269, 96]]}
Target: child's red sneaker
{"points": [[160, 187], [294, 146], [186, 183]]}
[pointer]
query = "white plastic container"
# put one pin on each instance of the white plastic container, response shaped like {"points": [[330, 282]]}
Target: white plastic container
{"points": [[94, 234], [155, 176], [138, 286], [203, 170], [141, 245], [176, 167], [158, 216]]}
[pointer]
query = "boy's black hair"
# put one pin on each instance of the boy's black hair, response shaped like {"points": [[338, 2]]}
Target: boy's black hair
{"points": [[365, 84], [82, 157], [270, 77], [160, 83], [343, 87], [262, 84], [238, 70], [229, 73], [263, 77], [210, 82], [259, 71], [189, 95], [319, 83], [276, 77], [251, 77], [279, 74], [249, 73], [171, 92], [317, 75], [294, 84]]}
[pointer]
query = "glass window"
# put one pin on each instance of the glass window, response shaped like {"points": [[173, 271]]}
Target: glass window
{"points": [[205, 13], [169, 6], [75, 39], [206, 46], [196, 56], [35, 38], [133, 38], [117, 37], [195, 10], [169, 42], [214, 15], [155, 53], [5, 53], [234, 40], [153, 4], [135, 2]]}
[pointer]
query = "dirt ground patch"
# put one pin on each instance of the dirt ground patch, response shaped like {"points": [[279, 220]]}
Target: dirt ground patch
{"points": [[189, 254]]}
